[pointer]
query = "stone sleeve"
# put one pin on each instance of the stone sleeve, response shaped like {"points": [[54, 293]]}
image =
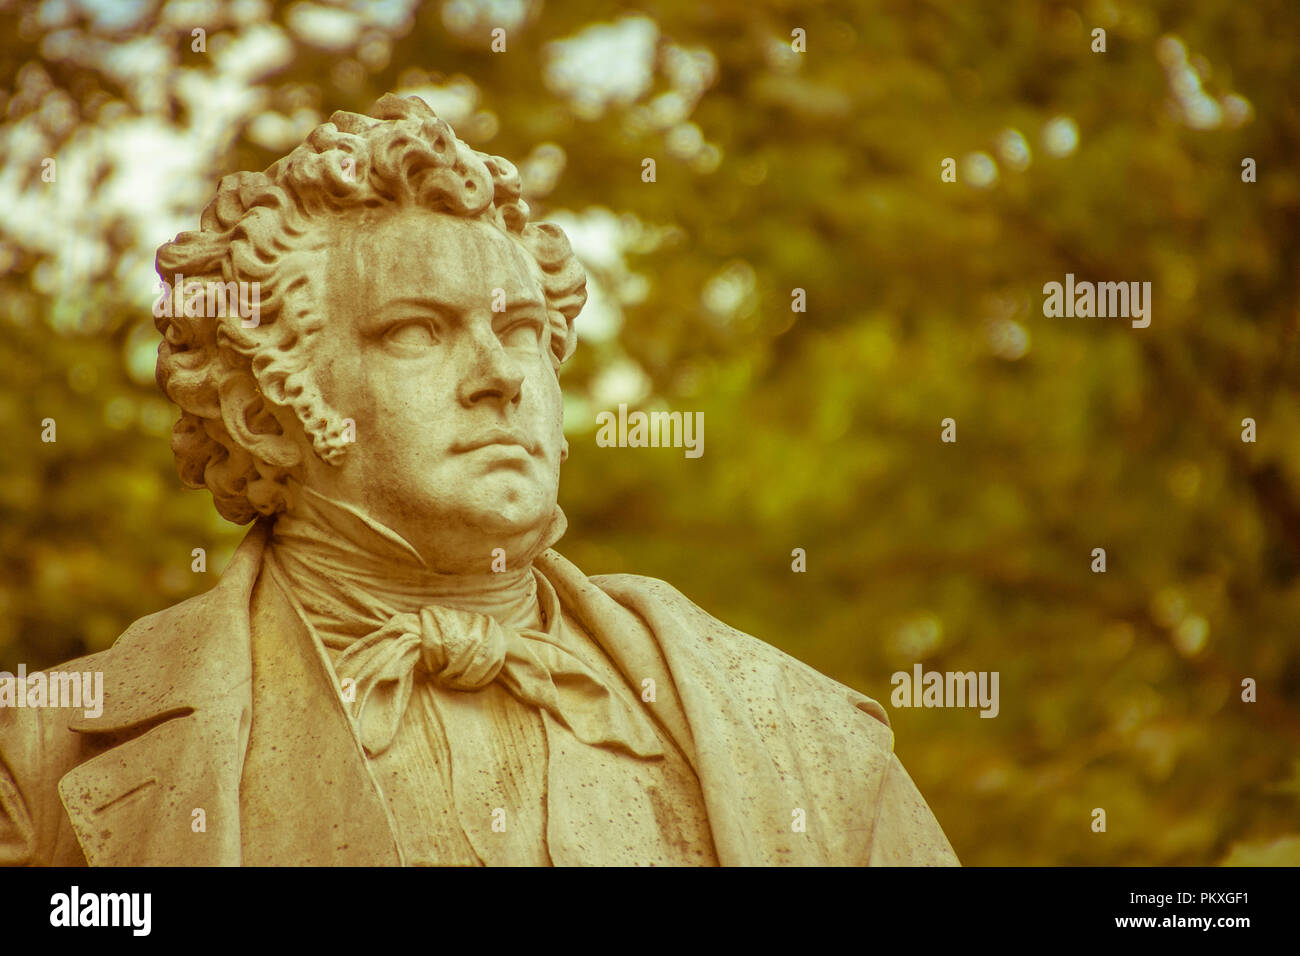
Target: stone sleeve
{"points": [[17, 828], [905, 831]]}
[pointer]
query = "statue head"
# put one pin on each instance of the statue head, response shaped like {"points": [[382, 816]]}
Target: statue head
{"points": [[405, 353]]}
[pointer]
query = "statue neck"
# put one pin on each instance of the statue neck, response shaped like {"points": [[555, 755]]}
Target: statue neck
{"points": [[345, 565]]}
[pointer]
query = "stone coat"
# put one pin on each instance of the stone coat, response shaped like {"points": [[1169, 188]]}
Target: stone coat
{"points": [[773, 742]]}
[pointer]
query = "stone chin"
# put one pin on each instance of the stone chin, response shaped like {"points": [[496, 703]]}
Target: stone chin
{"points": [[506, 503], [502, 509]]}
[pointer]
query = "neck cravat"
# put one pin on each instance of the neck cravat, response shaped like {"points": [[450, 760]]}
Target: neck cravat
{"points": [[465, 651], [386, 618]]}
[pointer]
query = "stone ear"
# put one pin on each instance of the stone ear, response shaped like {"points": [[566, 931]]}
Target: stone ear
{"points": [[251, 421]]}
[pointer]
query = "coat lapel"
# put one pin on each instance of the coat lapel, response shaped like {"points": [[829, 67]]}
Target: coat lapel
{"points": [[627, 641], [772, 742], [176, 687], [183, 689], [166, 798], [308, 796]]}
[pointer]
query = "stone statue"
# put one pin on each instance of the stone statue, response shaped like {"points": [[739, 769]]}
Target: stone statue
{"points": [[396, 668]]}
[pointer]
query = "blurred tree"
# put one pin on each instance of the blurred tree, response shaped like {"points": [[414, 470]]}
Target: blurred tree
{"points": [[775, 171]]}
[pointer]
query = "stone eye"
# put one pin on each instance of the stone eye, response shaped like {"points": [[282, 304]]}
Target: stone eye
{"points": [[523, 334], [411, 335]]}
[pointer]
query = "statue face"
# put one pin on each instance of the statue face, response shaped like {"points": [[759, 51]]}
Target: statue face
{"points": [[457, 408]]}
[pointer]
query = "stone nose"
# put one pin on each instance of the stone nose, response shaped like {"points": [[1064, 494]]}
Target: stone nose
{"points": [[491, 375]]}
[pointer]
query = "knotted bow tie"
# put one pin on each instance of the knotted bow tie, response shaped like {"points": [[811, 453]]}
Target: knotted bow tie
{"points": [[466, 651]]}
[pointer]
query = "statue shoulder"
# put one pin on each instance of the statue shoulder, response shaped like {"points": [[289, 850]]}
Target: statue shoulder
{"points": [[96, 702], [222, 607], [39, 738], [745, 658]]}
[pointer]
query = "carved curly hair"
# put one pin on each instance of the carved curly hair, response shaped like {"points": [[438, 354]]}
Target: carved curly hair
{"points": [[254, 230]]}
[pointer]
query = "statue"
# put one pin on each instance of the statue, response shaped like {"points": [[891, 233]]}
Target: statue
{"points": [[396, 668]]}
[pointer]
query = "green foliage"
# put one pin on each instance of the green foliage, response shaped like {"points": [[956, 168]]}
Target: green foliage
{"points": [[1119, 690]]}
